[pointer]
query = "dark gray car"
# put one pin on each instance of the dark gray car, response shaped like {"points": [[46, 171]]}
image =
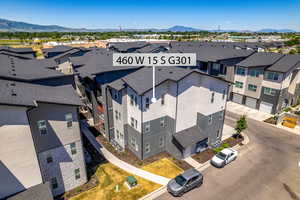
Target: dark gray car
{"points": [[184, 182]]}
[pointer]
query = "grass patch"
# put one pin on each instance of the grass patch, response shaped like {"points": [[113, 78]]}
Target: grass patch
{"points": [[163, 167], [109, 177]]}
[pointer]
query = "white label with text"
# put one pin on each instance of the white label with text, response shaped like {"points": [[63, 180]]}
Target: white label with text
{"points": [[154, 59]]}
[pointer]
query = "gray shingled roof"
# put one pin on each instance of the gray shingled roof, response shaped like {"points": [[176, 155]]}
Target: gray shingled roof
{"points": [[17, 55], [286, 63], [262, 59], [99, 63], [17, 50], [117, 84], [25, 94], [141, 80], [190, 136], [37, 192], [213, 54], [125, 46], [60, 48], [153, 47], [20, 69]]}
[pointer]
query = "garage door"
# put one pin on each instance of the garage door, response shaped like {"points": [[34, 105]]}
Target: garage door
{"points": [[266, 107], [251, 102], [237, 98]]}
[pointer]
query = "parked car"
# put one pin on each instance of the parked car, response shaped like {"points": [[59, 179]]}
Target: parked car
{"points": [[184, 182], [224, 157]]}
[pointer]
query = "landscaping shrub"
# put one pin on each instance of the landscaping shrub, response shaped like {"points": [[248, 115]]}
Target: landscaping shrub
{"points": [[220, 148], [287, 109]]}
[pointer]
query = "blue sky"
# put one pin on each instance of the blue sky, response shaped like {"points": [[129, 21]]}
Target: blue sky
{"points": [[229, 14]]}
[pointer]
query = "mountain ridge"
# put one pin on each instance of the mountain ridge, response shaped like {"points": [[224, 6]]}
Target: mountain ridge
{"points": [[17, 26]]}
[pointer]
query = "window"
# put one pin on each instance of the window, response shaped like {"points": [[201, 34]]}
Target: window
{"points": [[135, 123], [209, 119], [212, 99], [147, 147], [216, 66], [252, 87], [116, 115], [54, 183], [272, 76], [131, 99], [240, 71], [118, 134], [161, 141], [238, 84], [147, 127], [254, 73], [218, 134], [42, 126], [163, 99], [77, 173], [221, 115], [73, 148], [162, 122], [116, 95], [69, 119], [269, 91], [49, 159], [147, 102], [132, 121], [120, 115], [135, 100], [223, 94], [134, 143], [121, 136]]}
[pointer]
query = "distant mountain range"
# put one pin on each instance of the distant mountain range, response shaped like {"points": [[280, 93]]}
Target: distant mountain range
{"points": [[15, 26]]}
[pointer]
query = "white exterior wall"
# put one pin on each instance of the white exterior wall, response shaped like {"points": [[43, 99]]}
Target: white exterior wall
{"points": [[134, 110], [157, 110], [195, 97], [19, 168]]}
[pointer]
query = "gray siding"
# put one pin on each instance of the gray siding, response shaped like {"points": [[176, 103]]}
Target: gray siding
{"points": [[212, 129]]}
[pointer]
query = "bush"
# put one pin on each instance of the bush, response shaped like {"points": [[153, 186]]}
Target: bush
{"points": [[287, 109], [220, 148]]}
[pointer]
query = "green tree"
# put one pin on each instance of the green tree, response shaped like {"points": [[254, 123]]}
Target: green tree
{"points": [[241, 125]]}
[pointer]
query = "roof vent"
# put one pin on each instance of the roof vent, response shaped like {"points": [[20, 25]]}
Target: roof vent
{"points": [[12, 84], [159, 69], [170, 72]]}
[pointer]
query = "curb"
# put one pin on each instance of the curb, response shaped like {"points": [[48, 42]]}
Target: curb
{"points": [[154, 194]]}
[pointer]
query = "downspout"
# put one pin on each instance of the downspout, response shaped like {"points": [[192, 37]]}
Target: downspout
{"points": [[142, 130]]}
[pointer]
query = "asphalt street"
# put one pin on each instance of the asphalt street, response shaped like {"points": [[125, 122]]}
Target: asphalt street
{"points": [[267, 168]]}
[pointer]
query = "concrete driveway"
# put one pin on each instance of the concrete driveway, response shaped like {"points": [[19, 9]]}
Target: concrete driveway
{"points": [[266, 169], [244, 110]]}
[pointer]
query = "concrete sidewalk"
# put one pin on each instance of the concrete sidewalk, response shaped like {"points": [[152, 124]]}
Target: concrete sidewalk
{"points": [[249, 112], [119, 163]]}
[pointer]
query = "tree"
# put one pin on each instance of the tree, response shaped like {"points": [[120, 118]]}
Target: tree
{"points": [[241, 125]]}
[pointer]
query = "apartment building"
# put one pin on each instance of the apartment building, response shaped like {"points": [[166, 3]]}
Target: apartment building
{"points": [[174, 123], [63, 50], [267, 81], [33, 71], [40, 138]]}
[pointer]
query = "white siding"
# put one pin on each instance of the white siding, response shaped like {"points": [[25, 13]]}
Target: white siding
{"points": [[157, 110], [195, 97]]}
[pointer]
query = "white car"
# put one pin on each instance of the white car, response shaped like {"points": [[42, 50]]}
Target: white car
{"points": [[224, 157]]}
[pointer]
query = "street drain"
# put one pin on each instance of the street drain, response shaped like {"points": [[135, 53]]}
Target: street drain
{"points": [[293, 195]]}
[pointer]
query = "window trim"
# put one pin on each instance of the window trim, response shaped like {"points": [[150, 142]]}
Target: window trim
{"points": [[69, 120], [270, 91], [147, 127], [239, 84], [147, 150], [73, 149], [161, 141], [77, 173], [210, 119], [54, 183], [212, 97]]}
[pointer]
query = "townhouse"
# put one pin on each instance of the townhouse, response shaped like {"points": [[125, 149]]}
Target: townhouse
{"points": [[174, 123], [126, 47], [267, 81], [40, 138]]}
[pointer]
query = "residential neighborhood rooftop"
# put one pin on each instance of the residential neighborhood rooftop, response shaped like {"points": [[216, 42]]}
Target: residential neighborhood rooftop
{"points": [[260, 59], [25, 94]]}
